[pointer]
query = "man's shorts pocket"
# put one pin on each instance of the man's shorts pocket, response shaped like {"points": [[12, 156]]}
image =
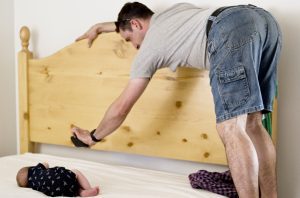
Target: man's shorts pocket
{"points": [[233, 87]]}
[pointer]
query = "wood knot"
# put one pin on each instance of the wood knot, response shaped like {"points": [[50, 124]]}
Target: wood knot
{"points": [[206, 154], [157, 132], [45, 70], [49, 128], [171, 78], [47, 73], [184, 140], [204, 136], [121, 49], [130, 144], [178, 104], [126, 128], [25, 116]]}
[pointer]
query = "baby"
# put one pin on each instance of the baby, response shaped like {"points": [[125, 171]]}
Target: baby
{"points": [[56, 181]]}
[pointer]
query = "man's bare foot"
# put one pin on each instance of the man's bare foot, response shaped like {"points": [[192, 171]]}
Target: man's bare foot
{"points": [[90, 192]]}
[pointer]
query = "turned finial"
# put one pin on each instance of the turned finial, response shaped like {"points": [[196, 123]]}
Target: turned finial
{"points": [[24, 36]]}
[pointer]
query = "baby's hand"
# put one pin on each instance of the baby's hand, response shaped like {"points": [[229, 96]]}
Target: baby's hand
{"points": [[46, 164]]}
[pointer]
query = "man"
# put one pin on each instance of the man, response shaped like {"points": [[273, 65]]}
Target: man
{"points": [[240, 45]]}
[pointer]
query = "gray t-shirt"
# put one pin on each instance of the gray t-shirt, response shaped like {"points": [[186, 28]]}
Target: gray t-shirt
{"points": [[176, 37]]}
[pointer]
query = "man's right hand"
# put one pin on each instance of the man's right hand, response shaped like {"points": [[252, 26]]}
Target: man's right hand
{"points": [[95, 30], [83, 135]]}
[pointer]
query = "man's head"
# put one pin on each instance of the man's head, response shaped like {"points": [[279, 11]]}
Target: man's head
{"points": [[133, 21]]}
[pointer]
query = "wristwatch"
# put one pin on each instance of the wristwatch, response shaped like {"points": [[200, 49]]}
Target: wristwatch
{"points": [[93, 137]]}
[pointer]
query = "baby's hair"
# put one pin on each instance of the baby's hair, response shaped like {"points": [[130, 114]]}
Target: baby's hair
{"points": [[22, 177]]}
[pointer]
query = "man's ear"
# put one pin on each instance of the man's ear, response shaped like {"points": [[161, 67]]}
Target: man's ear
{"points": [[136, 24]]}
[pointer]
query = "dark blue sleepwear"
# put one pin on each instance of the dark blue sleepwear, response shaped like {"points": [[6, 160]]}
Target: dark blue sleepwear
{"points": [[56, 181]]}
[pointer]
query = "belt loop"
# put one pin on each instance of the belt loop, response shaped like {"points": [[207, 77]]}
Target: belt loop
{"points": [[212, 18], [251, 5]]}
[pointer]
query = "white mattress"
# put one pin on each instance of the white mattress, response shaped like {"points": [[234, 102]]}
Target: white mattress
{"points": [[114, 181]]}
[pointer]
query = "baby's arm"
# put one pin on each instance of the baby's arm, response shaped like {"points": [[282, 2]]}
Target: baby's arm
{"points": [[82, 180], [85, 188]]}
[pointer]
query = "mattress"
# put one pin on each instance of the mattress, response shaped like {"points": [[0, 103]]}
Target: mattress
{"points": [[114, 181]]}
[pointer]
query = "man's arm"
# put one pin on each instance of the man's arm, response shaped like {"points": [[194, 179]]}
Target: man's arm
{"points": [[116, 113], [97, 29]]}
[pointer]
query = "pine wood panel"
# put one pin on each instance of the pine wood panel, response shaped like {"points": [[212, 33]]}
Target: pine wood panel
{"points": [[174, 118]]}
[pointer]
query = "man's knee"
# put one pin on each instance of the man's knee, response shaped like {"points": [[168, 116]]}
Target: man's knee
{"points": [[254, 120], [254, 116], [232, 127]]}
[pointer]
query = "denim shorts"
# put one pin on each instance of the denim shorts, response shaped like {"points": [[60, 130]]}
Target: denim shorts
{"points": [[244, 45]]}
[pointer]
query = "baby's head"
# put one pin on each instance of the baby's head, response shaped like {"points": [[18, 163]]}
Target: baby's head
{"points": [[22, 177]]}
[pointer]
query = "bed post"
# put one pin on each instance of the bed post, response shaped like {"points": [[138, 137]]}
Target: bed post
{"points": [[23, 57]]}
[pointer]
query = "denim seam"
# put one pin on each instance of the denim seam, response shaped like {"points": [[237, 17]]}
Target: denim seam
{"points": [[227, 116]]}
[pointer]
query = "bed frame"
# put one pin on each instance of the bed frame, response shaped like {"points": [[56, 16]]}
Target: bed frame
{"points": [[174, 118]]}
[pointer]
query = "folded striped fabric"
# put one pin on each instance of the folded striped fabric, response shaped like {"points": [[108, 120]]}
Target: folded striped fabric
{"points": [[220, 183]]}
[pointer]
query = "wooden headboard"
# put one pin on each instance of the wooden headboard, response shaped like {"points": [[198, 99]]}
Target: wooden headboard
{"points": [[174, 118]]}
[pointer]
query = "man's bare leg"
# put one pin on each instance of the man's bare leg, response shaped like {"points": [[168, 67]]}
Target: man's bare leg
{"points": [[86, 189], [266, 155], [241, 156]]}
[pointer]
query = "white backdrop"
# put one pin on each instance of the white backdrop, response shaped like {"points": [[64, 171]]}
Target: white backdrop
{"points": [[56, 23], [7, 80]]}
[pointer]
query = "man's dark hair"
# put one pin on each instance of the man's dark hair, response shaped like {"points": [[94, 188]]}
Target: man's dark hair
{"points": [[130, 11]]}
